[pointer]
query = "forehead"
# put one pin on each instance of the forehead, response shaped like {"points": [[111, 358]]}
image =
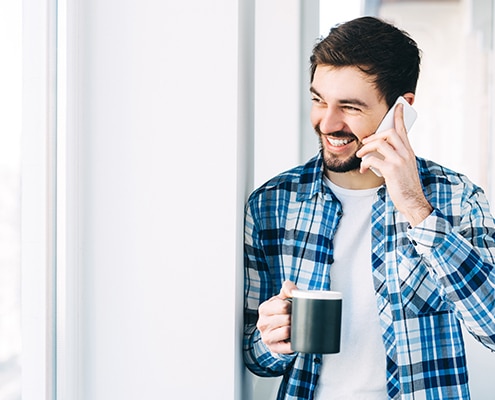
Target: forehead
{"points": [[337, 83]]}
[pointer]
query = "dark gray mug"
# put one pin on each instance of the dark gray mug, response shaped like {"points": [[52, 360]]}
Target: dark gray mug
{"points": [[316, 321]]}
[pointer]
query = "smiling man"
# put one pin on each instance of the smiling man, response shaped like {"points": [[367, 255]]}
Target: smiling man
{"points": [[412, 250]]}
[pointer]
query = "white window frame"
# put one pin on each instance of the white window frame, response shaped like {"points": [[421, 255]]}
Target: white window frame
{"points": [[50, 289], [38, 200]]}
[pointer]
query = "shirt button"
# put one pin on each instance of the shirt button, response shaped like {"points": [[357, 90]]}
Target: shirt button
{"points": [[317, 360]]}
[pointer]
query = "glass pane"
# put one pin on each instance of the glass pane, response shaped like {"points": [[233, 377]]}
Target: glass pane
{"points": [[10, 131], [333, 12], [455, 87]]}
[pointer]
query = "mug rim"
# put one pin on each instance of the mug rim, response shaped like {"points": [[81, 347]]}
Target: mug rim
{"points": [[317, 294]]}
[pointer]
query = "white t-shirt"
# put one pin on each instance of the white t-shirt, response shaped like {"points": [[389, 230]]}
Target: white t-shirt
{"points": [[358, 372]]}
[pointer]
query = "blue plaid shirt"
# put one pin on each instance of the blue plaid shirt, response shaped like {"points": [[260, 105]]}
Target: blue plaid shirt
{"points": [[428, 279]]}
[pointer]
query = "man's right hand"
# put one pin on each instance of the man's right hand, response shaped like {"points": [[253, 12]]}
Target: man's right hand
{"points": [[275, 318]]}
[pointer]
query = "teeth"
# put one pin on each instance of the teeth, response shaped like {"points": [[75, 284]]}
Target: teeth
{"points": [[338, 142]]}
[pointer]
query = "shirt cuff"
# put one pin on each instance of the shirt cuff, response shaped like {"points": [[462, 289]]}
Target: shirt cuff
{"points": [[430, 233], [261, 351]]}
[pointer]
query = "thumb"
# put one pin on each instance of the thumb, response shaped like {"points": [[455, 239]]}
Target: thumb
{"points": [[287, 288]]}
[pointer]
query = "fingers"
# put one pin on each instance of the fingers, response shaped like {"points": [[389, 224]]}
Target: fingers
{"points": [[386, 157], [274, 324], [275, 306], [275, 318], [392, 145]]}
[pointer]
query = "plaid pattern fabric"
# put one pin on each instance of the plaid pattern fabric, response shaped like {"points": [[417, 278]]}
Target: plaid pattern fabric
{"points": [[428, 279]]}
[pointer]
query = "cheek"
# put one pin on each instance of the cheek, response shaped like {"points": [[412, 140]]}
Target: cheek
{"points": [[315, 116], [370, 128], [362, 129]]}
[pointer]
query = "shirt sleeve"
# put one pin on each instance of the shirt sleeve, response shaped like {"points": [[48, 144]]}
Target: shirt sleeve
{"points": [[460, 251], [258, 288]]}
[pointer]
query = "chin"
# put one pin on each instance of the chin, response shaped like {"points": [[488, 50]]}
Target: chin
{"points": [[341, 166]]}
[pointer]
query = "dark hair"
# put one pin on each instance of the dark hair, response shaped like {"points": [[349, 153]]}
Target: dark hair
{"points": [[377, 48]]}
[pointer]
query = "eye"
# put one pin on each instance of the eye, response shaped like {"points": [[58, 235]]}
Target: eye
{"points": [[318, 101], [352, 109]]}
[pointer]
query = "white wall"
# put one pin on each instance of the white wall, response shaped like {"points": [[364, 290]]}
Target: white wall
{"points": [[153, 93], [285, 33]]}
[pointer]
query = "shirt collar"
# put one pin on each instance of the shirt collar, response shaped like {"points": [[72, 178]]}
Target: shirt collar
{"points": [[311, 179]]}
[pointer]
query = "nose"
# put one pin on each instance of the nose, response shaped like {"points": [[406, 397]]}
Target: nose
{"points": [[330, 120]]}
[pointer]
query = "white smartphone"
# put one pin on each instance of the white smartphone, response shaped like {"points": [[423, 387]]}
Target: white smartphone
{"points": [[410, 116]]}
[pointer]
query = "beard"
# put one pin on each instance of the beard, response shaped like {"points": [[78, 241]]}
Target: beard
{"points": [[333, 163]]}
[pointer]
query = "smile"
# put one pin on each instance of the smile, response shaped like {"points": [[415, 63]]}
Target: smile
{"points": [[338, 142]]}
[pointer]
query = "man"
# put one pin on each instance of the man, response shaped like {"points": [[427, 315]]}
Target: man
{"points": [[412, 250]]}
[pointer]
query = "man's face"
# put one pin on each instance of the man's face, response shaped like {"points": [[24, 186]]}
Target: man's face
{"points": [[346, 108]]}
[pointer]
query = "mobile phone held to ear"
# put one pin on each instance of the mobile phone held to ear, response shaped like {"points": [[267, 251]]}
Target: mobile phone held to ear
{"points": [[410, 115]]}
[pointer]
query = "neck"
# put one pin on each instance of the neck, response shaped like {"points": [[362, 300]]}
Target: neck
{"points": [[355, 180]]}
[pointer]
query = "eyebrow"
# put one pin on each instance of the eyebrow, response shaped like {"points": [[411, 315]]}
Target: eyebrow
{"points": [[353, 101]]}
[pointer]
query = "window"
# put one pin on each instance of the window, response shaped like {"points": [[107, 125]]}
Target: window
{"points": [[10, 219]]}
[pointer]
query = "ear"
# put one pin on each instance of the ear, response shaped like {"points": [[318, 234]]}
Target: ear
{"points": [[409, 96]]}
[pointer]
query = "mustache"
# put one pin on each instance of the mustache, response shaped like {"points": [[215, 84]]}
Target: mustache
{"points": [[336, 134]]}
